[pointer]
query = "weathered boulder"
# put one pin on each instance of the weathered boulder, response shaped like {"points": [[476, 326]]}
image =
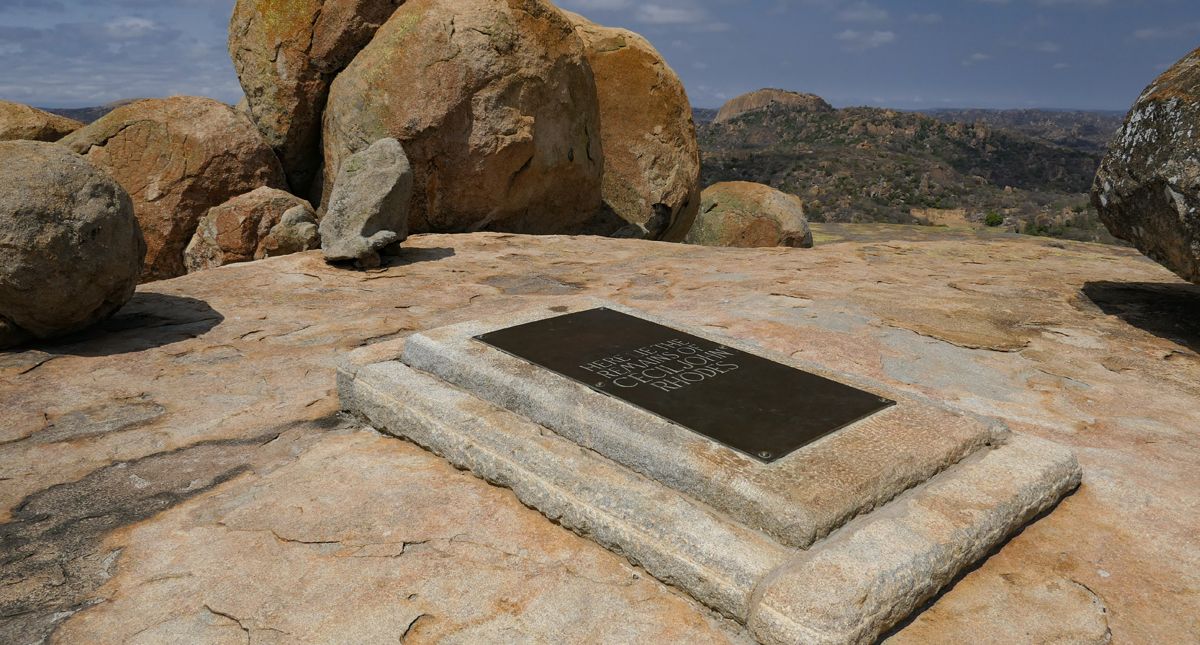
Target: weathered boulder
{"points": [[651, 158], [72, 249], [286, 53], [745, 214], [1148, 187], [19, 122], [253, 226], [760, 99], [296, 231], [495, 105], [177, 157], [369, 206]]}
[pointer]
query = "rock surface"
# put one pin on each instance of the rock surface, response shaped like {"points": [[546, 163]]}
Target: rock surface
{"points": [[760, 99], [177, 158], [286, 53], [71, 247], [1148, 187], [21, 122], [495, 106], [262, 223], [177, 470], [651, 158], [368, 209], [745, 214]]}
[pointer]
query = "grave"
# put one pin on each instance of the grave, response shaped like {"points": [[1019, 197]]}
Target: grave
{"points": [[812, 506]]}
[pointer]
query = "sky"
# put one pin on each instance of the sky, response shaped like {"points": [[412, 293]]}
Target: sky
{"points": [[908, 54]]}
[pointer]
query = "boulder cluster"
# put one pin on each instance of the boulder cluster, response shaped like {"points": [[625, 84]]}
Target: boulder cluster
{"points": [[363, 121]]}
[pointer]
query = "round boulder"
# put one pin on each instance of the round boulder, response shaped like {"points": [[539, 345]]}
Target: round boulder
{"points": [[72, 247], [651, 158], [745, 214], [1148, 187], [21, 122], [253, 226], [177, 158], [286, 56], [493, 102]]}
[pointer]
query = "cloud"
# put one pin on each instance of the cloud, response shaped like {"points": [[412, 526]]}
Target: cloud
{"points": [[31, 5], [684, 15], [129, 27], [1053, 3], [596, 5], [863, 12], [925, 18], [1077, 3], [659, 15], [977, 57], [89, 62], [858, 41], [1185, 30], [1046, 47]]}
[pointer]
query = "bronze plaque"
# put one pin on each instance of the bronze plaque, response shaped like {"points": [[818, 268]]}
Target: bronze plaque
{"points": [[746, 402]]}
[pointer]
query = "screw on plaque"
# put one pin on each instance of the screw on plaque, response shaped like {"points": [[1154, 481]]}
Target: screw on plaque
{"points": [[883, 400], [600, 384], [765, 454]]}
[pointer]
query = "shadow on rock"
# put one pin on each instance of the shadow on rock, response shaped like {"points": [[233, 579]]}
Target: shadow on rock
{"points": [[1168, 310], [407, 255], [147, 321]]}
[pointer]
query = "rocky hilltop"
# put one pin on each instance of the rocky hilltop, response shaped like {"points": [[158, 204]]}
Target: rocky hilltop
{"points": [[771, 97], [170, 475], [175, 461], [1078, 129], [881, 165]]}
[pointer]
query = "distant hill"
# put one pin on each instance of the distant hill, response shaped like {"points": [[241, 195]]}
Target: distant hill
{"points": [[880, 165], [770, 97], [1083, 130], [88, 114], [704, 115]]}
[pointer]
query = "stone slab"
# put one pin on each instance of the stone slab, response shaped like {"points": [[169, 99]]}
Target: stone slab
{"points": [[850, 587], [676, 539], [872, 573], [797, 499]]}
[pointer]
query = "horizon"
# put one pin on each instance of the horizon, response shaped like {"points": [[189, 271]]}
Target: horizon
{"points": [[1060, 55]]}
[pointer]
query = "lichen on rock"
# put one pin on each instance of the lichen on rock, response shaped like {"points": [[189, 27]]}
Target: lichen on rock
{"points": [[177, 158], [1147, 190], [495, 106]]}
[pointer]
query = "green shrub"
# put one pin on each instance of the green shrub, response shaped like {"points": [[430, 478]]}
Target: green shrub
{"points": [[993, 219]]}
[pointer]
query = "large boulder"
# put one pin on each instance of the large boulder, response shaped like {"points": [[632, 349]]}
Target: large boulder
{"points": [[651, 158], [493, 102], [177, 157], [369, 206], [21, 122], [262, 223], [286, 53], [72, 247], [762, 99], [1148, 187], [745, 214]]}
